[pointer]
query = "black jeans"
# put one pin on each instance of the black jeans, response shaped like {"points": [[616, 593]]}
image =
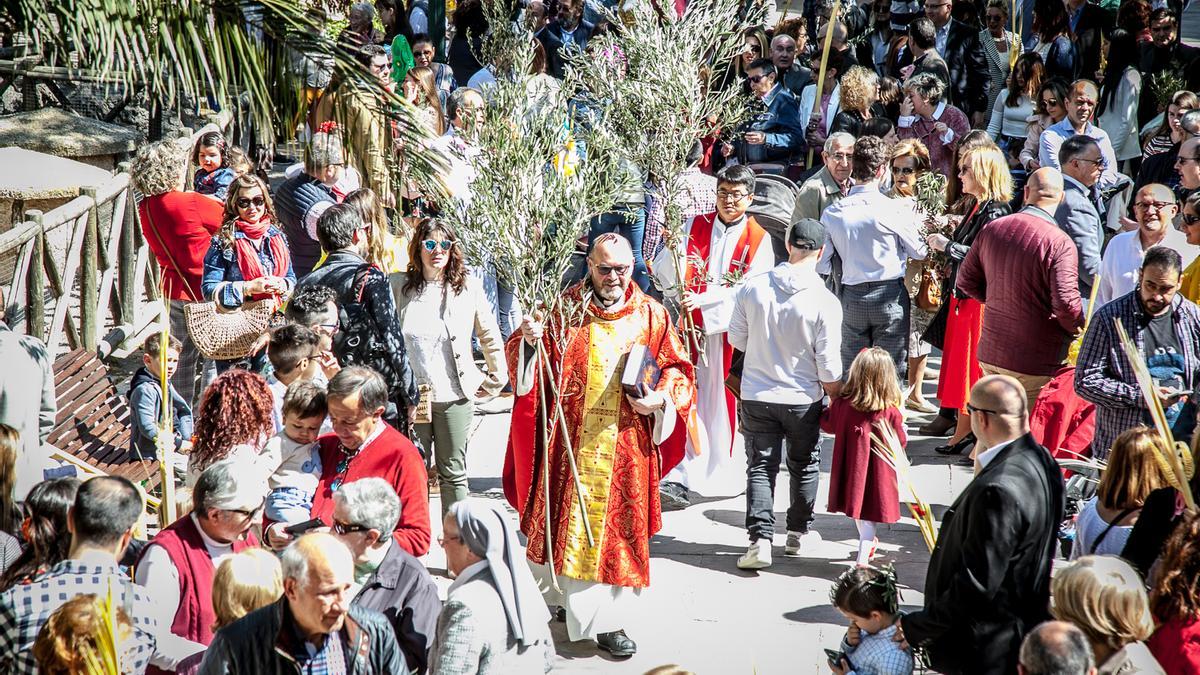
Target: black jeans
{"points": [[765, 427]]}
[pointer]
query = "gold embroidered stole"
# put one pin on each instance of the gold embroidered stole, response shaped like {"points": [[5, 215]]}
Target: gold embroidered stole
{"points": [[597, 443]]}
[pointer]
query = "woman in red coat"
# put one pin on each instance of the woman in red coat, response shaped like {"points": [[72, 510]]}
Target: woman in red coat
{"points": [[1175, 601], [861, 484]]}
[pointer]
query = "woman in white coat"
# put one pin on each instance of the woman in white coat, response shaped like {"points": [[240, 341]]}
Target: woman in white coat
{"points": [[440, 306], [1117, 109]]}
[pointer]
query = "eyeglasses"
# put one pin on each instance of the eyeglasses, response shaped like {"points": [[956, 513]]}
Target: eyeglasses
{"points": [[1098, 162], [1050, 102], [904, 170], [424, 52], [449, 537], [732, 195], [245, 202], [348, 528], [432, 244], [381, 67], [330, 328], [842, 157], [248, 514], [971, 408], [753, 48], [755, 79], [1189, 219], [1157, 206], [1185, 160], [606, 270]]}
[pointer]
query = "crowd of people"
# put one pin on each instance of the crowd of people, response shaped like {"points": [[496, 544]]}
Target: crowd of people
{"points": [[1005, 189]]}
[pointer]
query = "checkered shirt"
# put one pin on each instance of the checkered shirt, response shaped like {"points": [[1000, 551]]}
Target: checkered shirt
{"points": [[878, 654], [330, 659], [697, 196], [25, 608], [1104, 376]]}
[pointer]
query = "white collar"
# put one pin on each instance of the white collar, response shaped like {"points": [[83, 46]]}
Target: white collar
{"points": [[472, 570], [379, 426], [729, 226], [984, 458], [210, 543], [1083, 187], [941, 108]]}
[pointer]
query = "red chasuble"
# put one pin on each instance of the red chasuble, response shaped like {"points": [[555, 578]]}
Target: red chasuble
{"points": [[619, 465]]}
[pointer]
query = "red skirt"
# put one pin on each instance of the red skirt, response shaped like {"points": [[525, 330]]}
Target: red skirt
{"points": [[960, 360]]}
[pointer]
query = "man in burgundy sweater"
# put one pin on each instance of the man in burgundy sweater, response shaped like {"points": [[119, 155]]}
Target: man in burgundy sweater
{"points": [[362, 445], [1025, 270]]}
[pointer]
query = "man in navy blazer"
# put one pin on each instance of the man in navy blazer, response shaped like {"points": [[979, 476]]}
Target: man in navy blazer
{"points": [[988, 582], [1078, 214], [774, 132]]}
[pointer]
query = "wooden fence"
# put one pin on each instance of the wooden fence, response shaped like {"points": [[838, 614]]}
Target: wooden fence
{"points": [[106, 278]]}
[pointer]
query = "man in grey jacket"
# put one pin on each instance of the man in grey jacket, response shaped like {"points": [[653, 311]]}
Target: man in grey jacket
{"points": [[27, 372], [1078, 214], [790, 328]]}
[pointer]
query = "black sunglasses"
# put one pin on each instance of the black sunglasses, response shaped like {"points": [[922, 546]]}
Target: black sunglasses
{"points": [[904, 170], [245, 202], [1189, 219], [348, 528], [248, 514], [755, 79], [971, 408]]}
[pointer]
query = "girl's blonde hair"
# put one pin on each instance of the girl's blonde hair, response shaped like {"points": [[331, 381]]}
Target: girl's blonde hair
{"points": [[872, 384], [367, 203], [860, 88], [243, 583], [990, 170], [1105, 598]]}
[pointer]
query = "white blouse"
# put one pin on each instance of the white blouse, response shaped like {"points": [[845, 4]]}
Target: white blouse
{"points": [[428, 344], [1010, 120]]}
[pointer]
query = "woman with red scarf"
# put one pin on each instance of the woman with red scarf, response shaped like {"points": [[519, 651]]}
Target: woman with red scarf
{"points": [[248, 259]]}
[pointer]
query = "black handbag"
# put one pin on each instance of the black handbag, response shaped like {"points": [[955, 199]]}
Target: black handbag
{"points": [[358, 343], [935, 333]]}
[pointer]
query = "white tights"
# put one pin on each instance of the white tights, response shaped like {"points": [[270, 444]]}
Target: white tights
{"points": [[866, 540]]}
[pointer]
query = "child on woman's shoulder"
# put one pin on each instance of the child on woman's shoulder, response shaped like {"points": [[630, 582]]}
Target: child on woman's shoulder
{"points": [[213, 173]]}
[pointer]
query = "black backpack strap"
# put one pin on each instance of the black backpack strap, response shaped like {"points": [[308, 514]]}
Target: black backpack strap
{"points": [[1120, 516]]}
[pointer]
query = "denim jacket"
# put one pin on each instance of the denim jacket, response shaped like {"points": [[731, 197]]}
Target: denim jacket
{"points": [[780, 122], [220, 265]]}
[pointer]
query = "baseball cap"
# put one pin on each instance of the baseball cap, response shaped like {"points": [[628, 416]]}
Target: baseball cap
{"points": [[806, 233]]}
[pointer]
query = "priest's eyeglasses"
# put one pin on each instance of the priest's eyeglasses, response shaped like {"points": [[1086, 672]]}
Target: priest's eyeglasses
{"points": [[606, 270]]}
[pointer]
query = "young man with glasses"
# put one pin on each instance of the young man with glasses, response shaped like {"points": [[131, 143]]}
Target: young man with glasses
{"points": [[722, 250], [1155, 208], [227, 501], [1166, 328], [622, 440]]}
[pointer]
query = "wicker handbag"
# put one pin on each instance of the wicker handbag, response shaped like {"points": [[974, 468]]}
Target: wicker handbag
{"points": [[224, 335]]}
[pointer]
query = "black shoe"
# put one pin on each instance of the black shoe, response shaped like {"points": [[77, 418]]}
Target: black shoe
{"points": [[966, 461], [956, 449], [560, 615], [674, 497], [616, 643]]}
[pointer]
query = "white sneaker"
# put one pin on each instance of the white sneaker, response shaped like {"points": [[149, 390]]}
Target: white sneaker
{"points": [[798, 540], [496, 404], [757, 557]]}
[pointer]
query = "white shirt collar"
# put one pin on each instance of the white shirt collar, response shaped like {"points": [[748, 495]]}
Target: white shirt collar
{"points": [[984, 458], [1081, 185], [941, 108], [209, 543]]}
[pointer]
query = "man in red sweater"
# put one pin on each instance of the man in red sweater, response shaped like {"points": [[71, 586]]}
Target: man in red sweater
{"points": [[1025, 270], [362, 445]]}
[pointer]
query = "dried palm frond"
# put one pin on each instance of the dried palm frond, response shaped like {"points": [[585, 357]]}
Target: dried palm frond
{"points": [[1077, 343], [1167, 453], [886, 445], [166, 426], [104, 659]]}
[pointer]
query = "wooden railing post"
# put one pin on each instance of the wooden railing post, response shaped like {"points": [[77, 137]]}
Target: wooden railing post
{"points": [[35, 318], [127, 256], [89, 278]]}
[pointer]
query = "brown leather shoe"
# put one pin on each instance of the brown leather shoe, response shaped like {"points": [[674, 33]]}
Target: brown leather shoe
{"points": [[939, 426]]}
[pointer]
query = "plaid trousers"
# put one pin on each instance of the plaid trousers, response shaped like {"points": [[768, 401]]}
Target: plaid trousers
{"points": [[876, 314]]}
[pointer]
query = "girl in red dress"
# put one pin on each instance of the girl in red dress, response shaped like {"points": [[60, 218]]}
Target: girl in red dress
{"points": [[862, 485]]}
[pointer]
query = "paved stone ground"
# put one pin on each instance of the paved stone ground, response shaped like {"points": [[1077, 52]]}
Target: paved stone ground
{"points": [[703, 613]]}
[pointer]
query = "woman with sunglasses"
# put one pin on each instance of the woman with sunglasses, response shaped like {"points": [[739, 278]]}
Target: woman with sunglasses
{"points": [[1050, 110], [909, 161], [1000, 47], [249, 259], [1189, 222], [440, 306]]}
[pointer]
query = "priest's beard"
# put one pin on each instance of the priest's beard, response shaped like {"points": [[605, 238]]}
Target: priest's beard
{"points": [[609, 295]]}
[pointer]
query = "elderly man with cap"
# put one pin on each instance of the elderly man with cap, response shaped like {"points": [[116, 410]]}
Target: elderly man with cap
{"points": [[494, 620], [387, 578], [790, 328], [313, 628], [178, 565]]}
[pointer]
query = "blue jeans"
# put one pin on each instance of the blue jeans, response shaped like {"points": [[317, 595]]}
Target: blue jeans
{"points": [[629, 221], [766, 427]]}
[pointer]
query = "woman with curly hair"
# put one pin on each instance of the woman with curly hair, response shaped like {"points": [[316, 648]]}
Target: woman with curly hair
{"points": [[44, 530], [1175, 600], [248, 260], [178, 227], [860, 92], [235, 418], [438, 302]]}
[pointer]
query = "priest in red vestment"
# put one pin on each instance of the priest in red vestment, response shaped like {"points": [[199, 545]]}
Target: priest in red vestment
{"points": [[721, 251], [621, 445]]}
